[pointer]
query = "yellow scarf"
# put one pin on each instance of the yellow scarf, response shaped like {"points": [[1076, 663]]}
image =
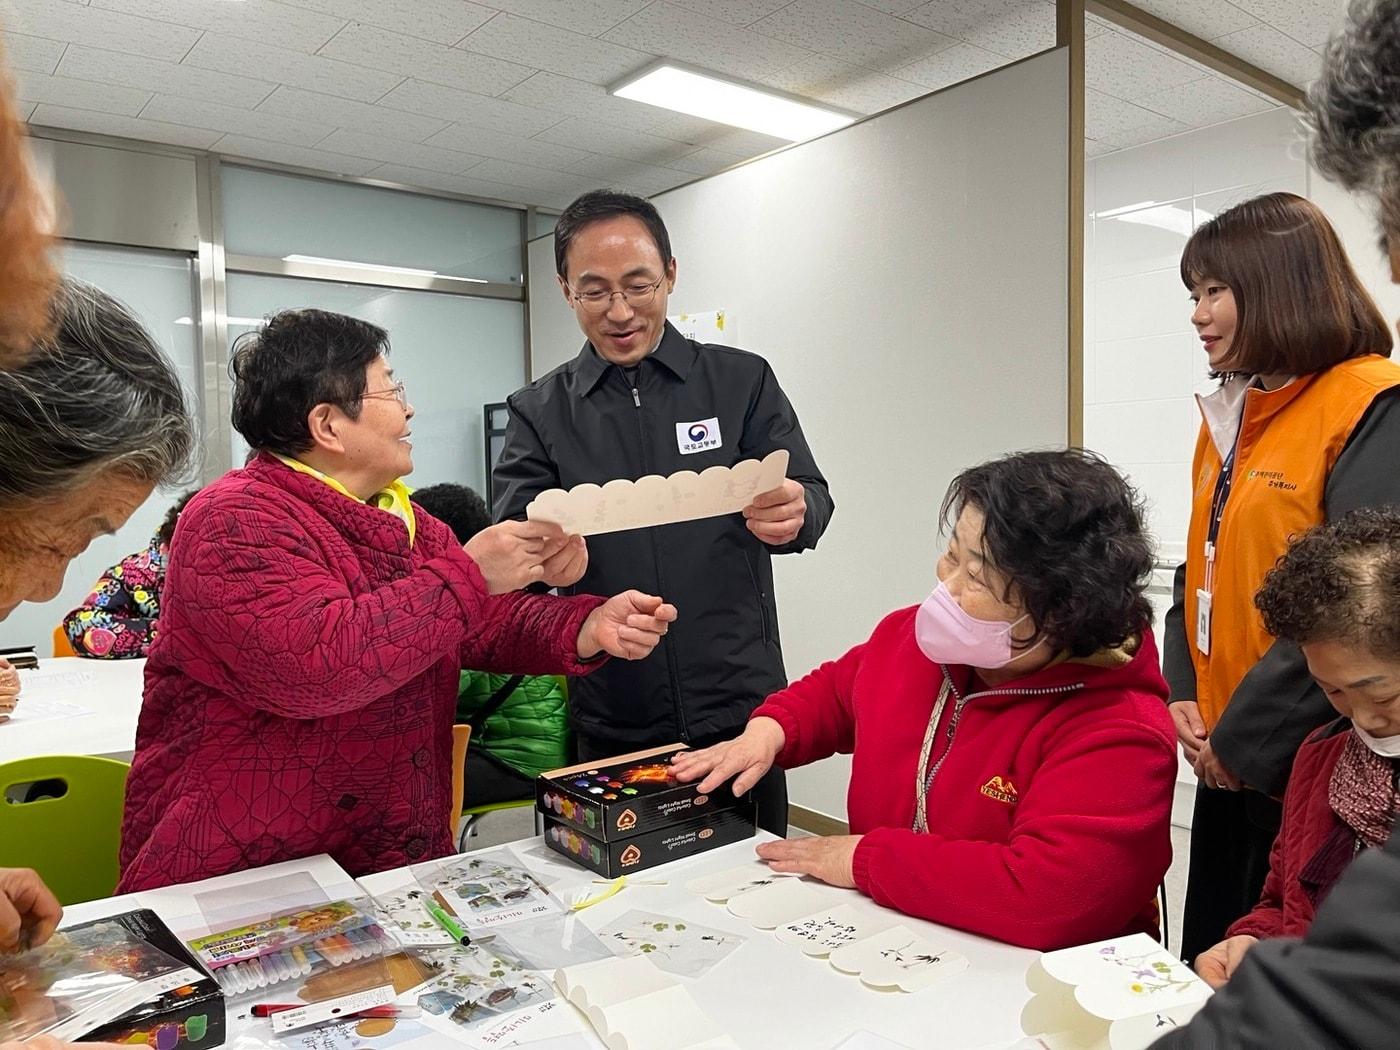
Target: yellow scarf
{"points": [[393, 499]]}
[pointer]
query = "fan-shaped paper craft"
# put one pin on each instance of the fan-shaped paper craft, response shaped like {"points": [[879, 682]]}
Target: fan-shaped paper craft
{"points": [[897, 958], [589, 510], [1119, 994]]}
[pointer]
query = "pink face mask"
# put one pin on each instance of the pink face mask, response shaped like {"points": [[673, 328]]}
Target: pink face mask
{"points": [[949, 635]]}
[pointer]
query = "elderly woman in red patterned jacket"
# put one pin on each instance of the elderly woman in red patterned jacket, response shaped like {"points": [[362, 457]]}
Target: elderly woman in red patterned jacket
{"points": [[300, 696], [1336, 595]]}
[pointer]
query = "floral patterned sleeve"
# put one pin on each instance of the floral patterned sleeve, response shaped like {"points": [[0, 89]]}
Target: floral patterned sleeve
{"points": [[118, 619]]}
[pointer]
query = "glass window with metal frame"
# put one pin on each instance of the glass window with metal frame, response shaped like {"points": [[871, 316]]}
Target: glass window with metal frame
{"points": [[300, 219], [159, 288], [454, 353]]}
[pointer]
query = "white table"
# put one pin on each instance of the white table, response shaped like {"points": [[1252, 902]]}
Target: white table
{"points": [[100, 701], [767, 994]]}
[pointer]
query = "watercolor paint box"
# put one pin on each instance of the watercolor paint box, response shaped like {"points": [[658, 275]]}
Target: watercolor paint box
{"points": [[718, 827], [618, 798], [191, 1016]]}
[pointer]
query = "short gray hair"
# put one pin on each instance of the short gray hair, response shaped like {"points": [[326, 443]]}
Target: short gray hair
{"points": [[1354, 107], [96, 396]]}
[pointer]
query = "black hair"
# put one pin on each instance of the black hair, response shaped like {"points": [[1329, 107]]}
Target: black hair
{"points": [[1339, 582], [597, 205], [456, 506], [297, 360], [167, 527], [1066, 532]]}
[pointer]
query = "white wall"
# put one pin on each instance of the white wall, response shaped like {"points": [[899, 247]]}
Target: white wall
{"points": [[906, 278], [1143, 363]]}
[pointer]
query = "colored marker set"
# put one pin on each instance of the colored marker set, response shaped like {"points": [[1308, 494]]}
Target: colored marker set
{"points": [[291, 947]]}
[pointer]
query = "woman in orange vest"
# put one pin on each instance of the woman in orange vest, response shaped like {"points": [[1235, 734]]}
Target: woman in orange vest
{"points": [[1304, 427]]}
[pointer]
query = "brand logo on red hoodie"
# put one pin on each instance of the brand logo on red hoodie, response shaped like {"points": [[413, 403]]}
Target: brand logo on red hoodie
{"points": [[1001, 789]]}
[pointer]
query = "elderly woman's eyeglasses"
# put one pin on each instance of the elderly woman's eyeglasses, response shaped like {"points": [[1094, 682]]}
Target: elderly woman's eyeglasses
{"points": [[396, 392], [599, 300]]}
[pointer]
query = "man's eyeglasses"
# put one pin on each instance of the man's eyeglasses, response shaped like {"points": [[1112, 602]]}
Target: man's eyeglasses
{"points": [[598, 300], [397, 392]]}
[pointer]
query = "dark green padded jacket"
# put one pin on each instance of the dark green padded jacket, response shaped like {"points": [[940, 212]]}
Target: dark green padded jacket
{"points": [[529, 731]]}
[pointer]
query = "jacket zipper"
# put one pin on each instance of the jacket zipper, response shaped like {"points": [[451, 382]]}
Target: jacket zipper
{"points": [[660, 581], [962, 701]]}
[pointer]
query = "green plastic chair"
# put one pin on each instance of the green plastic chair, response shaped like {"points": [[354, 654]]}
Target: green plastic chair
{"points": [[71, 841]]}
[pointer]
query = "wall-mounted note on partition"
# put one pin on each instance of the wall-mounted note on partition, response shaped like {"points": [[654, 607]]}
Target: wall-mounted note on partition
{"points": [[588, 510]]}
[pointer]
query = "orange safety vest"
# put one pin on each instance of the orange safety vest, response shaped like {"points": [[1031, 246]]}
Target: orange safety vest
{"points": [[1289, 441]]}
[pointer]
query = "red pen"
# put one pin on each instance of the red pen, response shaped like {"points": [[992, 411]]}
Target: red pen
{"points": [[268, 1009]]}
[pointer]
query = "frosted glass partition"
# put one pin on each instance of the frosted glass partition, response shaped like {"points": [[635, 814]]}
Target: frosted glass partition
{"points": [[453, 353], [159, 287], [277, 216]]}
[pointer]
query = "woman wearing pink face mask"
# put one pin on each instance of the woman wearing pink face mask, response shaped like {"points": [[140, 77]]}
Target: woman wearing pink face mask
{"points": [[1013, 763]]}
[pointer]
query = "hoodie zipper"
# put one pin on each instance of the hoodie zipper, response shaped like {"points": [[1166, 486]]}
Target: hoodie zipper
{"points": [[961, 702]]}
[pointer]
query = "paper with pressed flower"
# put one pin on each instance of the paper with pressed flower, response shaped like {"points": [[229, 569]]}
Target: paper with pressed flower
{"points": [[675, 945], [1119, 994]]}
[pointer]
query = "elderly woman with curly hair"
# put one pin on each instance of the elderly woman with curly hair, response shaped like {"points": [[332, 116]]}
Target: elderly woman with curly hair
{"points": [[1013, 759], [1336, 595]]}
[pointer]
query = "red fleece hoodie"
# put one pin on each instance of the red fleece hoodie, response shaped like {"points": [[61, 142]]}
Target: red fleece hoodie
{"points": [[1049, 816]]}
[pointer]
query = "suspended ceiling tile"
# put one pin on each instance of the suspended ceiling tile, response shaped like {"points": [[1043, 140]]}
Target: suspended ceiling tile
{"points": [[1115, 121], [445, 103], [443, 21], [844, 84], [735, 12], [76, 24], [851, 31], [595, 136], [664, 29], [396, 151], [292, 27], [560, 51], [347, 113], [197, 113], [278, 64], [81, 94], [706, 161], [123, 127], [32, 53], [135, 72], [957, 63], [742, 141], [1309, 22], [411, 56], [682, 126], [489, 142], [1271, 50], [236, 146], [1207, 19], [1014, 28], [1124, 66], [1209, 100], [594, 17], [557, 182], [564, 95]]}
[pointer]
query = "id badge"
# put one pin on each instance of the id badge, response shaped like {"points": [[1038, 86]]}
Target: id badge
{"points": [[1203, 622]]}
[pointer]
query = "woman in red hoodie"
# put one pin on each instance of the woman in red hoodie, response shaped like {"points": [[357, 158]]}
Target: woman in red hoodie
{"points": [[1013, 759], [1336, 595]]}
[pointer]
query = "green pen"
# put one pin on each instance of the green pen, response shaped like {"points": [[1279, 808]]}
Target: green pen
{"points": [[446, 921]]}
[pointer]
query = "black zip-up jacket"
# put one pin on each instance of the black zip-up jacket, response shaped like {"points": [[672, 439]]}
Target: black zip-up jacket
{"points": [[586, 422]]}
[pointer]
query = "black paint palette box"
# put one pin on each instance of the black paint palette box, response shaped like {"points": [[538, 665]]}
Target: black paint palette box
{"points": [[718, 827], [622, 797]]}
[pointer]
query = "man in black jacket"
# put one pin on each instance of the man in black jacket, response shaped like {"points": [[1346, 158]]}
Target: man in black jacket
{"points": [[642, 399], [1340, 985]]}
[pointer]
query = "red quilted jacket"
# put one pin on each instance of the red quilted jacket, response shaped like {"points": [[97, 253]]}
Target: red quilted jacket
{"points": [[1049, 815], [1285, 908], [300, 695]]}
